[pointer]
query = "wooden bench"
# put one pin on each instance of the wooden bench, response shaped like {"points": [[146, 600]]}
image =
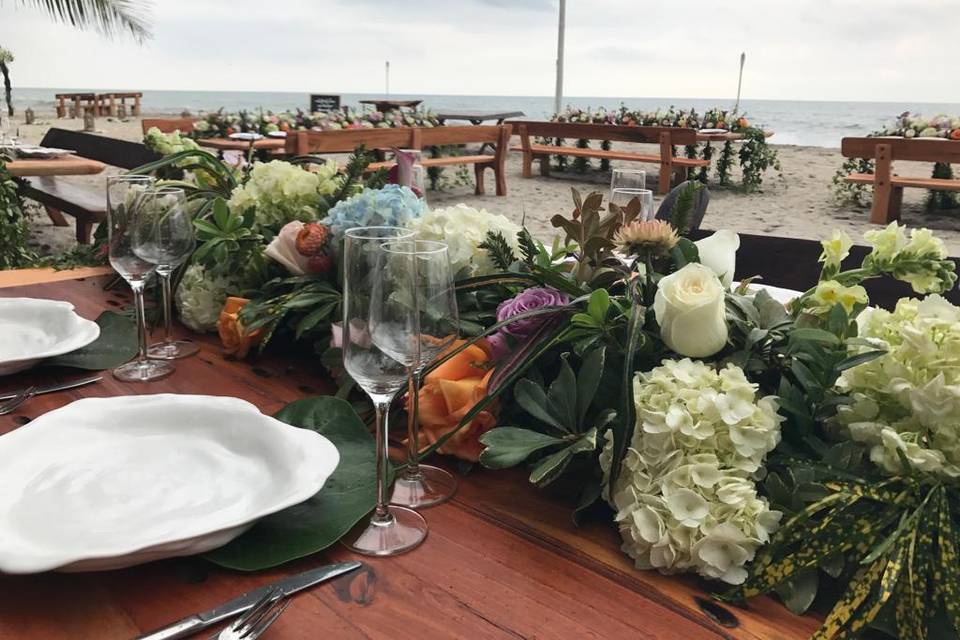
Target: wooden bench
{"points": [[168, 125], [887, 186], [75, 197], [345, 141], [673, 169], [82, 102], [108, 102]]}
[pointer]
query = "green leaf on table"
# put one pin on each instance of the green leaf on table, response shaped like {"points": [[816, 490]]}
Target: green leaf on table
{"points": [[550, 468], [533, 399], [509, 446], [598, 305], [117, 344], [588, 380], [562, 396], [347, 497]]}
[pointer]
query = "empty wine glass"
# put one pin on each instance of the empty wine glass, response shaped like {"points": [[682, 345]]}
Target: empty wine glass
{"points": [[380, 351], [124, 194], [622, 197], [627, 179], [421, 485], [165, 237]]}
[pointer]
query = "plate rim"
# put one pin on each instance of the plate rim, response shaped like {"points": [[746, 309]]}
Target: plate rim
{"points": [[324, 453], [87, 331]]}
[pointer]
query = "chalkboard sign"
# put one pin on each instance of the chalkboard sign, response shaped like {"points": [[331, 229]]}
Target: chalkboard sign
{"points": [[324, 103]]}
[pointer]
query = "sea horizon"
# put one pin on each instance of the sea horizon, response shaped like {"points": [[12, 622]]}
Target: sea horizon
{"points": [[818, 123]]}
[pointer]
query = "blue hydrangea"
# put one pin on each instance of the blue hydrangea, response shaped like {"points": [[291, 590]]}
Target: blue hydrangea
{"points": [[391, 206]]}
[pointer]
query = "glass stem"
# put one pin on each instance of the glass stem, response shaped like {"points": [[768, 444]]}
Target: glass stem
{"points": [[413, 427], [167, 302], [141, 320], [381, 514]]}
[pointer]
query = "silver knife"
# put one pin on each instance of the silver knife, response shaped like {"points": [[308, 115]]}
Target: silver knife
{"points": [[54, 387], [200, 621]]}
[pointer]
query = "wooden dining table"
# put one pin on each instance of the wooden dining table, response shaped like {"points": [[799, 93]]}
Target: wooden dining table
{"points": [[502, 559], [70, 165], [231, 144]]}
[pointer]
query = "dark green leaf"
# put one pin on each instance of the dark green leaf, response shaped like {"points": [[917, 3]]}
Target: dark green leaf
{"points": [[562, 396], [588, 380], [533, 399], [117, 344], [509, 446]]}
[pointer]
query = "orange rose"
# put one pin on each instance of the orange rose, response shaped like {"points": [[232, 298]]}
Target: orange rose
{"points": [[743, 123], [955, 134], [235, 341], [449, 392]]}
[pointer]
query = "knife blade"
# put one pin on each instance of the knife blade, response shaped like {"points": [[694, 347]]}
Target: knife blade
{"points": [[290, 585], [54, 387]]}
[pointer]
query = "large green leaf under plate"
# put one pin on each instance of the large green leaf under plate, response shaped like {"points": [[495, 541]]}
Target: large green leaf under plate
{"points": [[348, 495], [117, 344]]}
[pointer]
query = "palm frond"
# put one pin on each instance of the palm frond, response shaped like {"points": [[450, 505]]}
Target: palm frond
{"points": [[108, 17]]}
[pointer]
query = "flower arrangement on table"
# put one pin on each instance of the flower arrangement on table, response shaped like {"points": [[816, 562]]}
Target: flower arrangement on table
{"points": [[769, 448], [221, 123], [754, 155], [906, 125]]}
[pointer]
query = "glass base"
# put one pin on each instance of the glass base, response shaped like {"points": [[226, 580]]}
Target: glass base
{"points": [[428, 488], [146, 371], [172, 350], [402, 530]]}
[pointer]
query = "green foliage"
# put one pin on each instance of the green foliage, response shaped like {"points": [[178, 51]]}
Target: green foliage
{"points": [[305, 304], [311, 526], [227, 242], [14, 228], [683, 210], [942, 200], [107, 17], [725, 162], [852, 193], [756, 157], [117, 344], [500, 251]]}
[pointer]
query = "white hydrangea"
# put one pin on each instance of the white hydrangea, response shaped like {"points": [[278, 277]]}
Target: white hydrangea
{"points": [[685, 497], [463, 228], [907, 402], [283, 192], [200, 297]]}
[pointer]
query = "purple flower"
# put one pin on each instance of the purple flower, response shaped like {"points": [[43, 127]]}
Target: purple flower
{"points": [[529, 300]]}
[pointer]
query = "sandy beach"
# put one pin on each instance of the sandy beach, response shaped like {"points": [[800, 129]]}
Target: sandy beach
{"points": [[800, 204]]}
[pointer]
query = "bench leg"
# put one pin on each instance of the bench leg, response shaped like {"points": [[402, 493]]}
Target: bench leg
{"points": [[545, 165], [84, 230], [527, 164], [896, 203], [663, 180], [56, 217], [887, 201], [478, 175], [680, 175], [500, 175]]}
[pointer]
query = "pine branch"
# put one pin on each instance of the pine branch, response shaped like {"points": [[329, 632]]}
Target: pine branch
{"points": [[683, 209], [499, 249], [528, 248]]}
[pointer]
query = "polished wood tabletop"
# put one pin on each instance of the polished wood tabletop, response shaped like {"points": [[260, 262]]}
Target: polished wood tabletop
{"points": [[63, 166], [231, 144], [502, 560]]}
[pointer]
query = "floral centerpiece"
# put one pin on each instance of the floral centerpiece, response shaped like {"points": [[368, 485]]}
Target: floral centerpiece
{"points": [[222, 123], [766, 448]]}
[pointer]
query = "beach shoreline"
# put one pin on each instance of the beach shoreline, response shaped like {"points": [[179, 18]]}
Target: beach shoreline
{"points": [[800, 204]]}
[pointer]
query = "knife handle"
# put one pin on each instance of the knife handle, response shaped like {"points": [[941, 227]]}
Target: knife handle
{"points": [[179, 629]]}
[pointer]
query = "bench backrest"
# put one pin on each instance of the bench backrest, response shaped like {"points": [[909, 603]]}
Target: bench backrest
{"points": [[168, 125], [617, 133], [916, 149], [118, 153], [345, 141]]}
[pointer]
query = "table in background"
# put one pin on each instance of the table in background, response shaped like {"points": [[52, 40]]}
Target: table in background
{"points": [[727, 136], [502, 560], [64, 166], [230, 144], [479, 117], [390, 105]]}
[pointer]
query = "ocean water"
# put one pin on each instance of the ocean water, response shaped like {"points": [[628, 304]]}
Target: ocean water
{"points": [[811, 123]]}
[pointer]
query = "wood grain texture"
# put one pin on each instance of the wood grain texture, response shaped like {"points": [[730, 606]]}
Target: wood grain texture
{"points": [[502, 560], [64, 166], [229, 144]]}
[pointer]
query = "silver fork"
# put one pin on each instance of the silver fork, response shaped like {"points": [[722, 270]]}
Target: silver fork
{"points": [[255, 621], [14, 403]]}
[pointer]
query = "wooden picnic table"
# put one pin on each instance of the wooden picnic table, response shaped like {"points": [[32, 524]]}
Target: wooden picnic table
{"points": [[727, 136], [386, 104], [502, 559], [64, 166], [230, 144], [478, 117]]}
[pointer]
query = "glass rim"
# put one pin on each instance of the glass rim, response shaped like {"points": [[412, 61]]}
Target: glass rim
{"points": [[369, 233], [618, 170], [164, 190], [631, 190], [131, 177], [393, 246]]}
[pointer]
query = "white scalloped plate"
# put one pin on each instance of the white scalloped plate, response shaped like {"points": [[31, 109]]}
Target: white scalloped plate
{"points": [[32, 329], [104, 483]]}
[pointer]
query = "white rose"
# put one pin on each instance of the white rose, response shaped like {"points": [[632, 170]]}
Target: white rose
{"points": [[283, 249], [719, 252], [689, 307]]}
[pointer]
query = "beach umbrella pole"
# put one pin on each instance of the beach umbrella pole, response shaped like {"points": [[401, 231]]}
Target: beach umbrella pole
{"points": [[558, 97], [743, 58]]}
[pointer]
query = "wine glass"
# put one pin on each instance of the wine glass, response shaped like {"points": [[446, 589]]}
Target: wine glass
{"points": [[623, 196], [165, 237], [380, 351], [124, 194], [627, 179], [420, 485]]}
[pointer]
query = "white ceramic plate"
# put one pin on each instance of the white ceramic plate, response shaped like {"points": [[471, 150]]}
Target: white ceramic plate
{"points": [[781, 295], [713, 131], [32, 329], [277, 134], [30, 151], [104, 483], [245, 136]]}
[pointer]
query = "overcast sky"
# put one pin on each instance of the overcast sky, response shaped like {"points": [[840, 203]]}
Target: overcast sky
{"points": [[796, 50]]}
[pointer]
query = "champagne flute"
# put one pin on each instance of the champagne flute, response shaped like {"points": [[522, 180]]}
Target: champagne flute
{"points": [[124, 194], [623, 196], [380, 351], [421, 485], [165, 237]]}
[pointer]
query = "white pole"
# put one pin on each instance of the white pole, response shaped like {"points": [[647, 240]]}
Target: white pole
{"points": [[558, 97], [388, 77], [743, 58]]}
